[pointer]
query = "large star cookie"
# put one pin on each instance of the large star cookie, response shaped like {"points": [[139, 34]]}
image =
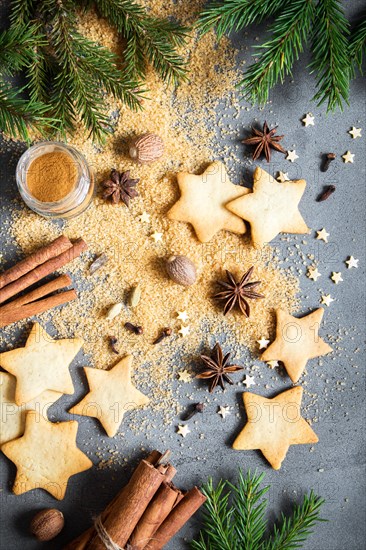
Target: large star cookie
{"points": [[273, 425], [46, 456], [203, 199], [12, 416], [111, 395], [43, 364], [272, 208], [297, 340]]}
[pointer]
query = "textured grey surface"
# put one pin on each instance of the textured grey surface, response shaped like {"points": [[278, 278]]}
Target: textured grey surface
{"points": [[336, 467]]}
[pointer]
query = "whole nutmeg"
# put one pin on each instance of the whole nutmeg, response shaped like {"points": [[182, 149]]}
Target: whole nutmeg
{"points": [[181, 270], [146, 148], [47, 524]]}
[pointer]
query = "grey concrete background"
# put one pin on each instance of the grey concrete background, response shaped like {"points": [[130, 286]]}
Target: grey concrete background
{"points": [[336, 467]]}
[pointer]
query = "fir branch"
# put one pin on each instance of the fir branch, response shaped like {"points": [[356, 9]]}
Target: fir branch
{"points": [[358, 46], [249, 510], [17, 48], [330, 54], [242, 525], [218, 532], [148, 38], [276, 57], [17, 115], [233, 15], [21, 13], [296, 528]]}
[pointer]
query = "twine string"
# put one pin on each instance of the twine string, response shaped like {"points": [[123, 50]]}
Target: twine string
{"points": [[104, 535]]}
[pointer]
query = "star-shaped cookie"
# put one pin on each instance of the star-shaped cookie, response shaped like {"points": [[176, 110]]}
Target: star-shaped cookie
{"points": [[203, 199], [272, 208], [46, 456], [12, 416], [111, 395], [297, 340], [273, 425], [43, 364]]}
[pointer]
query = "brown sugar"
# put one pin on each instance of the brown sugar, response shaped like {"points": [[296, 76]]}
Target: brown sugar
{"points": [[52, 176]]}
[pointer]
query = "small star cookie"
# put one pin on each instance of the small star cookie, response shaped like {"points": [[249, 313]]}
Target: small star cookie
{"points": [[326, 300], [203, 199], [273, 425], [224, 411], [46, 456], [352, 262], [336, 277], [272, 208], [292, 156], [183, 430], [348, 157], [249, 381], [313, 273], [322, 235], [43, 364], [111, 395], [296, 342], [355, 132], [308, 120]]}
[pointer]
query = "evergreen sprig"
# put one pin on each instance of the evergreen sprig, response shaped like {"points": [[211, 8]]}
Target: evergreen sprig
{"points": [[67, 75], [358, 45], [234, 518], [330, 54], [334, 57]]}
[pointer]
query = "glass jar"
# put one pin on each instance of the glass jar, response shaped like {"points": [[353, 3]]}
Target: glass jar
{"points": [[78, 199]]}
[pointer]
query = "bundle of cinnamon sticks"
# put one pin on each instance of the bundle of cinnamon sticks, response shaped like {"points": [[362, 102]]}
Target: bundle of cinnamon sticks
{"points": [[145, 514], [32, 270]]}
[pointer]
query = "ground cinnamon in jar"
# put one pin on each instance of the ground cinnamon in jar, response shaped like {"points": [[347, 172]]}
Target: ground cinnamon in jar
{"points": [[52, 176]]}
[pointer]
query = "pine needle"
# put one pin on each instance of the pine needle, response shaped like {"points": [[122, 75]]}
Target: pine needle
{"points": [[358, 46], [330, 54], [233, 15], [276, 56]]}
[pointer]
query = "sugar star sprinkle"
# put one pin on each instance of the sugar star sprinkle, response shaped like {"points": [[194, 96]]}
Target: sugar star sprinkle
{"points": [[182, 316], [351, 262], [348, 157], [322, 235], [313, 273], [263, 343], [249, 381], [292, 156], [183, 430], [272, 364], [326, 300], [336, 277], [156, 236], [282, 177], [224, 411], [144, 217], [183, 331], [308, 120], [355, 132], [184, 376]]}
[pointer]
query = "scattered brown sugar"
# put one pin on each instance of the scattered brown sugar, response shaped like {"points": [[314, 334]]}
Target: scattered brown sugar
{"points": [[52, 176], [186, 119]]}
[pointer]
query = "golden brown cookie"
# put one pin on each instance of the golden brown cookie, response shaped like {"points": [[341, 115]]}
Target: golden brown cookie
{"points": [[111, 395], [203, 199], [297, 341], [272, 208], [273, 425], [46, 456], [43, 364]]}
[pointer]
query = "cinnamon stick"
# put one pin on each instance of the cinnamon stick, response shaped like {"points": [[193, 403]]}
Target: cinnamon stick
{"points": [[159, 508], [30, 304], [124, 512], [180, 514], [42, 271]]}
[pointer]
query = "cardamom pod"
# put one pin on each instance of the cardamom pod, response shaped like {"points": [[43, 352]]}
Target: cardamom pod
{"points": [[114, 311], [135, 296]]}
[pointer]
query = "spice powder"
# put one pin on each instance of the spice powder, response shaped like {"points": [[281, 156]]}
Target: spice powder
{"points": [[52, 176]]}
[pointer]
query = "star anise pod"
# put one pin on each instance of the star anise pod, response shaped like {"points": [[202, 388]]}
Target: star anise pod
{"points": [[264, 141], [237, 292], [217, 368], [120, 187]]}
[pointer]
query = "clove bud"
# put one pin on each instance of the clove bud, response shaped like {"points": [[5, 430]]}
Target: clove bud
{"points": [[327, 160], [166, 332], [133, 328], [198, 408]]}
